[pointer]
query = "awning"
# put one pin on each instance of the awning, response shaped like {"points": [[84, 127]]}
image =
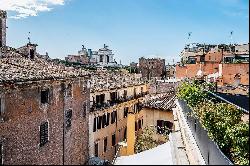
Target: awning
{"points": [[161, 155]]}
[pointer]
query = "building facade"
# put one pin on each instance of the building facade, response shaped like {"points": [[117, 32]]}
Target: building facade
{"points": [[152, 68], [170, 71], [224, 64], [103, 57], [82, 57], [44, 112], [108, 118]]}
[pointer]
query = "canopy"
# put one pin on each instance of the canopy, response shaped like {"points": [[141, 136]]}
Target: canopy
{"points": [[161, 155]]}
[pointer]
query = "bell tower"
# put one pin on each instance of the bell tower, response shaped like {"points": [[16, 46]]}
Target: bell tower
{"points": [[3, 18]]}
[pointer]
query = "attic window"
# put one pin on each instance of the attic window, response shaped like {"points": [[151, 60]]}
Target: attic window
{"points": [[45, 96]]}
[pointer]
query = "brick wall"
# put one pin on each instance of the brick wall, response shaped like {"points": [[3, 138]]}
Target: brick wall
{"points": [[24, 113], [151, 67], [229, 72]]}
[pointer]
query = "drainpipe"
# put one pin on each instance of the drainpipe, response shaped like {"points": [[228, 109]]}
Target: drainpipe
{"points": [[63, 88]]}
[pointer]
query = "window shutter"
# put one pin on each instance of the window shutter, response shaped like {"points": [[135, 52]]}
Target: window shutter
{"points": [[103, 120], [94, 125], [108, 117], [44, 136]]}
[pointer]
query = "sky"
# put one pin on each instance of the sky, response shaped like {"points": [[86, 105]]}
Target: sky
{"points": [[131, 28]]}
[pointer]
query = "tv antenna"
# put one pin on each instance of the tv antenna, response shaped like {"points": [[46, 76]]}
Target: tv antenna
{"points": [[29, 37], [231, 37], [189, 35]]}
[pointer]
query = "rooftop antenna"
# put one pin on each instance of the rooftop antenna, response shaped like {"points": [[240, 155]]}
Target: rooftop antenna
{"points": [[29, 37], [231, 37], [189, 35]]}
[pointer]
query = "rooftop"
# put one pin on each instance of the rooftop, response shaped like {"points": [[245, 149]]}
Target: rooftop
{"points": [[108, 80], [16, 68]]}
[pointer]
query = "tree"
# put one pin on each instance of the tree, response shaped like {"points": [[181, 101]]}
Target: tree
{"points": [[146, 139]]}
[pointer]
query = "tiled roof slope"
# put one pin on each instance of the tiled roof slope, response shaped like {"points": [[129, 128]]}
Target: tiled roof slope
{"points": [[15, 68]]}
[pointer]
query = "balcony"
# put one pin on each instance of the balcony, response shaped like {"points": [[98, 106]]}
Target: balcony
{"points": [[99, 106]]}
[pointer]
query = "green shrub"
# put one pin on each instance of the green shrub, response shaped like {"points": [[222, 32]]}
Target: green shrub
{"points": [[221, 120]]}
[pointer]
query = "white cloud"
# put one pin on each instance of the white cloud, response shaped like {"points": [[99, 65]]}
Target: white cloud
{"points": [[25, 8]]}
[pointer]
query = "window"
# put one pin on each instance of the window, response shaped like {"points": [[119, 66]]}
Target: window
{"points": [[113, 117], [134, 92], [139, 124], [107, 59], [113, 140], [141, 90], [113, 97], [44, 133], [105, 143], [45, 96], [84, 109], [100, 99], [125, 94], [125, 133], [96, 149], [1, 154], [94, 125], [99, 122], [69, 91], [135, 126], [104, 118], [68, 118], [32, 53], [125, 112], [162, 126]]}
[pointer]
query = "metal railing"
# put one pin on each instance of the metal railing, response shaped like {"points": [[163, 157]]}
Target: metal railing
{"points": [[97, 106]]}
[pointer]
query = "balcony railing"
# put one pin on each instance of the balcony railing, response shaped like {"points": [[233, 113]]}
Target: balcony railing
{"points": [[98, 106]]}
